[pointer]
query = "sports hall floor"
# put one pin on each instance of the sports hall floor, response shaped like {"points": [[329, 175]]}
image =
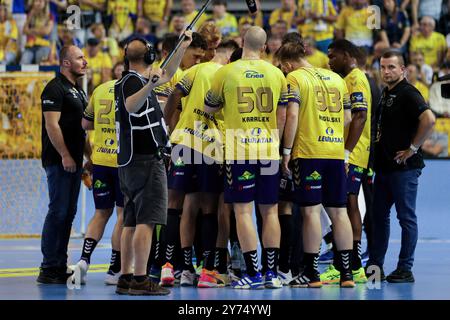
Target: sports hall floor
{"points": [[19, 259]]}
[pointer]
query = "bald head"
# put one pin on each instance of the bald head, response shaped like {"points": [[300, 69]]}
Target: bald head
{"points": [[136, 50], [255, 39]]}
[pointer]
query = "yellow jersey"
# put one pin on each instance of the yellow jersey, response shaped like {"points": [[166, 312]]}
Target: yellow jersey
{"points": [[318, 59], [8, 32], [361, 100], [322, 96], [228, 25], [39, 23], [154, 9], [121, 10], [101, 61], [85, 7], [354, 24], [166, 89], [257, 20], [279, 14], [197, 129], [319, 30], [101, 111], [250, 92], [430, 47]]}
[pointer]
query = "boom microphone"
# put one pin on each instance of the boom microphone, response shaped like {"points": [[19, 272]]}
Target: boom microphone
{"points": [[251, 4]]}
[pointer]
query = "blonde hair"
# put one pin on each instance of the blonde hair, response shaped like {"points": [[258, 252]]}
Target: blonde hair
{"points": [[211, 33]]}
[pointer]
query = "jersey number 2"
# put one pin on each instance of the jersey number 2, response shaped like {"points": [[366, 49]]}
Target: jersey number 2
{"points": [[102, 116]]}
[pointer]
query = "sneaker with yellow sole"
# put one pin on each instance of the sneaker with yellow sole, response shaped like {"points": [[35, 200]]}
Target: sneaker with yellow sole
{"points": [[359, 276], [331, 276]]}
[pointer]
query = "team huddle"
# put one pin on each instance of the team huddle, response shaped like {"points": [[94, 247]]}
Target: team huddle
{"points": [[241, 132]]}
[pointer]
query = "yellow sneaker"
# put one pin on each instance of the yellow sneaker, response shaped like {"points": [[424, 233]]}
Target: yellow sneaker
{"points": [[359, 276], [331, 276]]}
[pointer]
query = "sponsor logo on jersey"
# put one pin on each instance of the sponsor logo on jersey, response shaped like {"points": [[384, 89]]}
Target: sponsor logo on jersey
{"points": [[357, 97], [98, 184], [109, 142], [179, 163], [251, 74]]}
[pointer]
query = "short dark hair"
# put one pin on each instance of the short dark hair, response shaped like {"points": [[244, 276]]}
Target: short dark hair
{"points": [[345, 46], [236, 55], [361, 56], [228, 45], [390, 53], [198, 42], [169, 42], [291, 37], [291, 51]]}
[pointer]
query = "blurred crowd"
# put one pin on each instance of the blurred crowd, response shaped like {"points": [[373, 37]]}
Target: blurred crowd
{"points": [[33, 32]]}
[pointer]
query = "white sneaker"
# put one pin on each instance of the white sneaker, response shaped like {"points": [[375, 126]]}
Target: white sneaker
{"points": [[112, 278], [79, 270], [285, 278], [187, 278]]}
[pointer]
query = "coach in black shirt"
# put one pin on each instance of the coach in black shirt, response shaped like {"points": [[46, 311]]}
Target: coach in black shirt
{"points": [[404, 124], [142, 175], [63, 142]]}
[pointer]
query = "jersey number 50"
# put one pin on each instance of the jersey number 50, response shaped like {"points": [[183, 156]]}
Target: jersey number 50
{"points": [[263, 99]]}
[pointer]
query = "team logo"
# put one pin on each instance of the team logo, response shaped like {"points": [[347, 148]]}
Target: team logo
{"points": [[246, 176], [329, 131], [315, 176], [357, 97], [256, 132], [251, 74], [202, 127], [358, 170], [389, 102], [109, 142], [179, 163], [98, 184]]}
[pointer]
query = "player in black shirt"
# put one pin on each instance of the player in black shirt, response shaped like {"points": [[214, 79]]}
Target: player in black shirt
{"points": [[63, 142], [404, 124]]}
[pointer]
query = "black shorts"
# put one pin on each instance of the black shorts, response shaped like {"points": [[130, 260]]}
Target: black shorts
{"points": [[144, 185]]}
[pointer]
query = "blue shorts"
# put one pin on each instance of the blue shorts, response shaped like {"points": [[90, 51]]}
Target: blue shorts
{"points": [[193, 172], [354, 179], [106, 187], [320, 181], [248, 181]]}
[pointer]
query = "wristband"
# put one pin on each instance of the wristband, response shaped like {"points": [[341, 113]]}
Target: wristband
{"points": [[414, 148], [287, 151], [347, 156]]}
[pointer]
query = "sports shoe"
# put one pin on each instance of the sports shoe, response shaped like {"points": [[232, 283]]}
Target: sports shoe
{"points": [[271, 281], [225, 278], [359, 276], [210, 279], [188, 278], [248, 282], [167, 276], [326, 257], [346, 280], [232, 275], [306, 281], [80, 269], [53, 275], [155, 273], [330, 276], [285, 278], [400, 276], [123, 286], [147, 288], [112, 278]]}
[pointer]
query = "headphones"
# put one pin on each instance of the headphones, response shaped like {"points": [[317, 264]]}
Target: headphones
{"points": [[149, 56]]}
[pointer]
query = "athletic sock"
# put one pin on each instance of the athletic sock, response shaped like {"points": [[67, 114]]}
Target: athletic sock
{"points": [[271, 259], [285, 242], [356, 255], [114, 264], [209, 236], [220, 262], [251, 262], [345, 261], [187, 259], [128, 277], [172, 234], [89, 245], [311, 261], [328, 238]]}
